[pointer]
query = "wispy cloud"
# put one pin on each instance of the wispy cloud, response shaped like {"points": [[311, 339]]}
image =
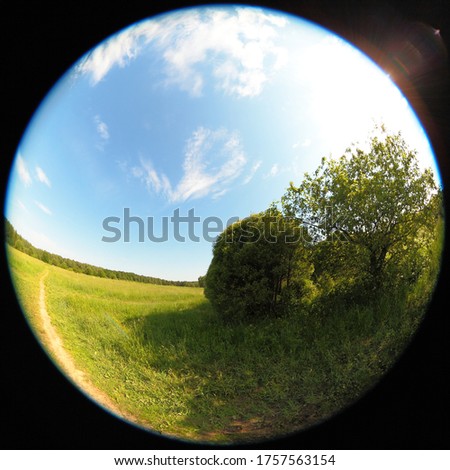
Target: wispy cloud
{"points": [[23, 172], [43, 208], [241, 43], [120, 50], [212, 161], [274, 170], [148, 175], [42, 177], [304, 143], [102, 128], [22, 205], [219, 194], [102, 131], [253, 170]]}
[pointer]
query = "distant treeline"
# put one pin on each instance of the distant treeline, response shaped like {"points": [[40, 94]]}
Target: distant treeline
{"points": [[17, 241]]}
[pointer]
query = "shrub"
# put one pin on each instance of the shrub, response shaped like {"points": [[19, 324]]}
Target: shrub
{"points": [[253, 266]]}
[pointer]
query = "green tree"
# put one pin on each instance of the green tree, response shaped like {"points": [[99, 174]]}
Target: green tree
{"points": [[254, 266], [380, 201], [11, 235]]}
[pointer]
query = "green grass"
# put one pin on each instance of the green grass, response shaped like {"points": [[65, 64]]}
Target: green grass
{"points": [[161, 354], [26, 272]]}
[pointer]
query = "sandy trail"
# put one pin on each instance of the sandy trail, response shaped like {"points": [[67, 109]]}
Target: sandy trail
{"points": [[65, 361]]}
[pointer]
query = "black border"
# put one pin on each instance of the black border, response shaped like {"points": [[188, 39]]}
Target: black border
{"points": [[408, 409]]}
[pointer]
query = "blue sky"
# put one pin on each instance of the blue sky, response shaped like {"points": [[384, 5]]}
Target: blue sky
{"points": [[211, 109]]}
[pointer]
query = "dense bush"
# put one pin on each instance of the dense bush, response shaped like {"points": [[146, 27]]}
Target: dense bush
{"points": [[254, 266]]}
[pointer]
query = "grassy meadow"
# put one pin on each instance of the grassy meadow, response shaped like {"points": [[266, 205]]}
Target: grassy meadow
{"points": [[163, 356]]}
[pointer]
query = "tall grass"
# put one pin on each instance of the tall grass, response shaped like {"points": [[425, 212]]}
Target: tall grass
{"points": [[162, 355], [26, 272]]}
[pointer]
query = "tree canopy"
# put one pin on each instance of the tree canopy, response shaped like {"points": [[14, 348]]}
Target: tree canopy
{"points": [[379, 200], [358, 223]]}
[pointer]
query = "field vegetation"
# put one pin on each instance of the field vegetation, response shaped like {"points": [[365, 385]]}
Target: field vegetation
{"points": [[288, 333], [163, 355]]}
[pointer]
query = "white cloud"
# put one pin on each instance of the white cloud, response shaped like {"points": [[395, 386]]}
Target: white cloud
{"points": [[119, 50], [102, 128], [219, 194], [253, 170], [239, 43], [22, 205], [212, 161], [304, 143], [274, 170], [102, 131], [43, 208], [146, 173], [22, 169], [42, 177]]}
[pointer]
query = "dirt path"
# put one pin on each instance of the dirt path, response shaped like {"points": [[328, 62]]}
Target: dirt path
{"points": [[65, 361]]}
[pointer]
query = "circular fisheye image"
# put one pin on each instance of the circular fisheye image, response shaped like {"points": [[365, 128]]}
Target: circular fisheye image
{"points": [[224, 224]]}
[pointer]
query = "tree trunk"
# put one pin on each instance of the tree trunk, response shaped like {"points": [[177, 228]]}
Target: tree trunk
{"points": [[377, 259]]}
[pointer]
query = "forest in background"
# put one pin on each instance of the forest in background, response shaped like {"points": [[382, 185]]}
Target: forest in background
{"points": [[17, 241]]}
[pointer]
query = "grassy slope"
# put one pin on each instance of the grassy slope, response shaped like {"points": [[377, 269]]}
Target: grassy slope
{"points": [[162, 355], [26, 272]]}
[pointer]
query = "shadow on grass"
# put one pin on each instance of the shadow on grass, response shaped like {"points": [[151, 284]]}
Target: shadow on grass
{"points": [[247, 382], [238, 382]]}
